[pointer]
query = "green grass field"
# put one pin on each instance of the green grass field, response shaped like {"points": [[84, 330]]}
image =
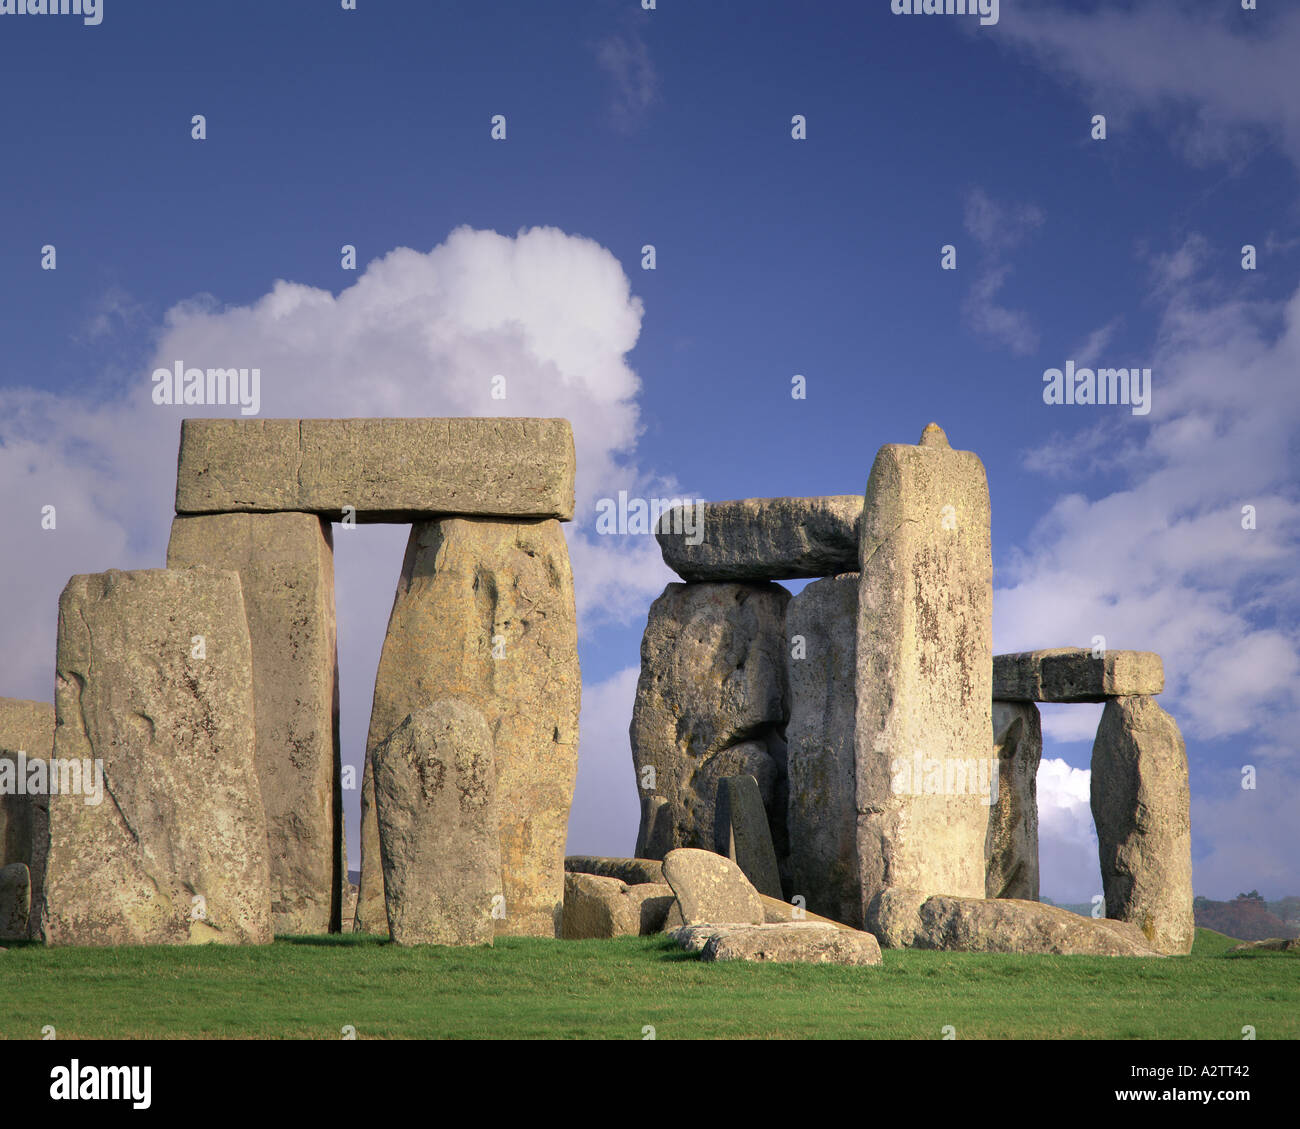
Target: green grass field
{"points": [[312, 988]]}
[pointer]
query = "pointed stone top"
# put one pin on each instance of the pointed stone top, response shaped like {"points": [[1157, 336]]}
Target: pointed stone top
{"points": [[933, 436]]}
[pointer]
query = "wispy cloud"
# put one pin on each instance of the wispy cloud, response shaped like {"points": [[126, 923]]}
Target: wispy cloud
{"points": [[625, 59], [998, 229]]}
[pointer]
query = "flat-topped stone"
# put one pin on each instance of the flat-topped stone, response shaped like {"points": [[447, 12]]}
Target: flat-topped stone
{"points": [[762, 538], [802, 942], [1072, 674], [711, 888], [385, 469], [633, 872]]}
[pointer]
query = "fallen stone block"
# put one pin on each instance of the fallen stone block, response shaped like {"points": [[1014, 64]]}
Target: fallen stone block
{"points": [[1072, 674], [821, 662], [802, 942], [596, 907], [484, 614], [740, 832], [1272, 945], [379, 470], [710, 888], [924, 670], [762, 538], [776, 911], [286, 571], [1141, 806], [633, 872], [436, 806], [161, 838], [1012, 846], [908, 919]]}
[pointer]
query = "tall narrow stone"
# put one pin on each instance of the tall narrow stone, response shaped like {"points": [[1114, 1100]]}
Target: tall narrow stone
{"points": [[821, 658], [484, 613], [157, 834], [711, 702], [436, 803], [1012, 844], [924, 670], [1141, 806], [286, 569], [26, 737], [741, 833]]}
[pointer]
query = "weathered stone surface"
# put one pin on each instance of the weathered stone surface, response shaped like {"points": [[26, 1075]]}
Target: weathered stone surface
{"points": [[26, 735], [1072, 674], [821, 660], [349, 908], [1141, 806], [907, 919], [1012, 843], [471, 589], [673, 919], [776, 911], [633, 872], [924, 669], [740, 832], [762, 538], [803, 942], [1272, 945], [711, 702], [154, 681], [599, 907], [435, 799], [386, 469], [15, 901], [654, 837], [711, 888], [286, 570]]}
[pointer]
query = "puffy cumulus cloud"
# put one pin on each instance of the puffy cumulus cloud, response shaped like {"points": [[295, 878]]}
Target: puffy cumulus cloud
{"points": [[1221, 83], [606, 810], [416, 334], [1069, 868], [1163, 563]]}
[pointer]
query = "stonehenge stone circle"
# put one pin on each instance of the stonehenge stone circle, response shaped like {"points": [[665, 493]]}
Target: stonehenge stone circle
{"points": [[1140, 804], [285, 563], [711, 702], [384, 470], [435, 790], [484, 613], [26, 737], [1074, 674], [741, 833], [162, 840], [1012, 847], [821, 663], [924, 667], [762, 538]]}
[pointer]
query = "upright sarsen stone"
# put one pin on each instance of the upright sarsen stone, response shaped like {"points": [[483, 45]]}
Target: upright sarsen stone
{"points": [[821, 658], [286, 569], [741, 833], [484, 614], [924, 669], [436, 807], [163, 841], [711, 701], [1012, 844], [26, 736], [1141, 806]]}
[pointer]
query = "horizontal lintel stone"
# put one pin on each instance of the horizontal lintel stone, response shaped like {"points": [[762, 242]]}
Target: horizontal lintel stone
{"points": [[386, 470], [762, 538], [1072, 674]]}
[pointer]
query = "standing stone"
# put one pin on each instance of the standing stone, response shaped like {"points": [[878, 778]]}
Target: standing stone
{"points": [[436, 806], [15, 901], [710, 888], [26, 742], [821, 658], [484, 613], [1141, 806], [711, 701], [286, 570], [740, 832], [1012, 845], [163, 841], [924, 670], [654, 837]]}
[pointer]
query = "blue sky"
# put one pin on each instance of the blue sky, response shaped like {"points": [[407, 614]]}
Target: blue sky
{"points": [[775, 257]]}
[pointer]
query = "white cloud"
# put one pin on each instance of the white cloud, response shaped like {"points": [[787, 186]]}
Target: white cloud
{"points": [[1069, 868], [605, 811], [626, 60], [998, 229]]}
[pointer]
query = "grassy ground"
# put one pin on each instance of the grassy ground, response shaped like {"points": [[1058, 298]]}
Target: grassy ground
{"points": [[315, 987]]}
